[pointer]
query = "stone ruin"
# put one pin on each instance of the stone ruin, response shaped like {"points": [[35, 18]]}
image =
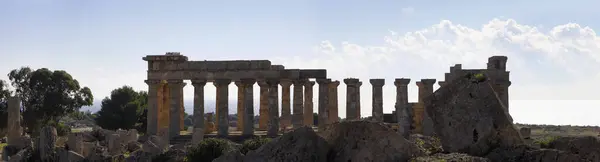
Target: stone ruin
{"points": [[466, 119]]}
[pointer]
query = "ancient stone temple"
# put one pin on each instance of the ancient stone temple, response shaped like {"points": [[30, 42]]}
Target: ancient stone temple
{"points": [[295, 103], [166, 74]]}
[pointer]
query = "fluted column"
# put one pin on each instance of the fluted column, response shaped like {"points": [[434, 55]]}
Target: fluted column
{"points": [[248, 128], [402, 113], [426, 89], [181, 109], [323, 102], [273, 125], [198, 133], [308, 103], [298, 109], [263, 110], [333, 102], [351, 98], [286, 116], [358, 97], [377, 98], [222, 106], [175, 88], [240, 105], [152, 114]]}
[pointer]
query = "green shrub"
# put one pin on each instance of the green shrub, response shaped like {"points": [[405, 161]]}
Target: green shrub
{"points": [[208, 149], [253, 144], [61, 128], [546, 141]]}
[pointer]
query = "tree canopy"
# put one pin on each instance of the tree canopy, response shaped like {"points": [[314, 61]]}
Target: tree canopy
{"points": [[47, 95], [4, 94], [125, 109]]}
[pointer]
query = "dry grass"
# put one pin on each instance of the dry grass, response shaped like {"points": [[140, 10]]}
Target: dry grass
{"points": [[545, 132]]}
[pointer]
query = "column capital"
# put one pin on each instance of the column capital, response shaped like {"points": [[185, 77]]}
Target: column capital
{"points": [[272, 82], [222, 82], [359, 84], [401, 81], [176, 83], [351, 81], [152, 82], [323, 81], [334, 83], [198, 83], [248, 81], [428, 82], [262, 83], [299, 82], [238, 83], [377, 82], [285, 82]]}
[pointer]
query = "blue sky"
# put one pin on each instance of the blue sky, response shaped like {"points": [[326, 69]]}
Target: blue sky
{"points": [[553, 51]]}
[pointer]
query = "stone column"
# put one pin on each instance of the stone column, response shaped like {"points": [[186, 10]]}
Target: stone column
{"points": [[222, 106], [308, 103], [152, 114], [264, 105], [426, 89], [181, 110], [377, 98], [14, 120], [298, 117], [175, 88], [333, 102], [358, 105], [198, 133], [248, 128], [351, 102], [323, 102], [273, 124], [402, 112], [286, 116], [240, 106]]}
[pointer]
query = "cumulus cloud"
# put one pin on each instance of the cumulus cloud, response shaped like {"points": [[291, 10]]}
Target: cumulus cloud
{"points": [[562, 63]]}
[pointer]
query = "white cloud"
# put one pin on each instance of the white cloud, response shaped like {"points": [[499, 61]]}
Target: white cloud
{"points": [[560, 64]]}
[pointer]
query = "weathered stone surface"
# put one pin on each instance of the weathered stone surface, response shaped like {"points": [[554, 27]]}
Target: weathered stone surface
{"points": [[248, 107], [13, 119], [222, 107], [175, 91], [425, 90], [197, 136], [69, 156], [47, 142], [237, 75], [298, 104], [286, 113], [264, 105], [240, 105], [132, 146], [199, 103], [587, 147], [402, 108], [428, 145], [273, 125], [153, 104], [333, 102], [75, 142], [323, 103], [453, 157], [308, 103], [377, 97], [523, 153], [139, 156], [525, 132], [349, 142], [352, 99], [470, 108], [358, 98], [301, 144], [115, 146]]}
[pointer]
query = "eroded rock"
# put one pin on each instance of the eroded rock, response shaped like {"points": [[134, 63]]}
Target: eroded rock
{"points": [[587, 147], [469, 118], [524, 153], [349, 141], [302, 144], [454, 157]]}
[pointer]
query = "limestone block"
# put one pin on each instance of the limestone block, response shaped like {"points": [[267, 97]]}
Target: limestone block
{"points": [[75, 142], [47, 142], [114, 144], [88, 148], [197, 136], [525, 132]]}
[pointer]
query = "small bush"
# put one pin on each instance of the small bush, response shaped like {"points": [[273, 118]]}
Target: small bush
{"points": [[253, 144], [546, 141], [61, 128], [208, 149]]}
